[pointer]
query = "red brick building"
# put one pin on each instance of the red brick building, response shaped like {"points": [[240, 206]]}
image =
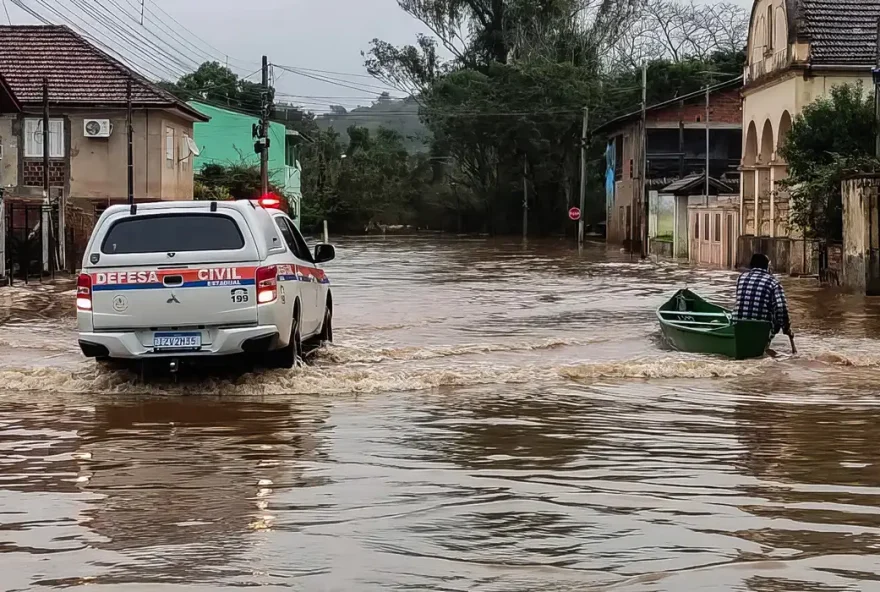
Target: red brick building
{"points": [[676, 148]]}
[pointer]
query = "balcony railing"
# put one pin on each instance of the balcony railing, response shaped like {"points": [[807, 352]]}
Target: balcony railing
{"points": [[768, 65]]}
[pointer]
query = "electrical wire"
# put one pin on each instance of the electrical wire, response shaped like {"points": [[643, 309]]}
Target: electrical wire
{"points": [[178, 56], [248, 64], [6, 9], [315, 70], [129, 34], [69, 19], [341, 83], [183, 41], [547, 113], [228, 84], [87, 34]]}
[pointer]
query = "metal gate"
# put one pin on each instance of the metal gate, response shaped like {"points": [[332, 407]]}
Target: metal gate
{"points": [[31, 245]]}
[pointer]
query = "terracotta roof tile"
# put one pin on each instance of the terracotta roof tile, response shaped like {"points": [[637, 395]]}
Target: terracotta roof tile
{"points": [[841, 32], [78, 72]]}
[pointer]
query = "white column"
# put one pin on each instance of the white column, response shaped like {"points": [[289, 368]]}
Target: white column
{"points": [[772, 201], [2, 241], [757, 202], [742, 202]]}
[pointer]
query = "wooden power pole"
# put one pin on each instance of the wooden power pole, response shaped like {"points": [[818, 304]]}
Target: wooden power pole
{"points": [[584, 147], [45, 141], [45, 219], [707, 143], [525, 203], [643, 165], [130, 140]]}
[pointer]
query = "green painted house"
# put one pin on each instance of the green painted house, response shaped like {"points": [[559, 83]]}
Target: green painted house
{"points": [[227, 138]]}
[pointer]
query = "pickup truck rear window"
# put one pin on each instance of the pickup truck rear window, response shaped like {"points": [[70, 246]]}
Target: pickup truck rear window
{"points": [[173, 233]]}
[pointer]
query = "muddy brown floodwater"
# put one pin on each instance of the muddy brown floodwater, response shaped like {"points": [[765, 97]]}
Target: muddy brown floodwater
{"points": [[492, 417]]}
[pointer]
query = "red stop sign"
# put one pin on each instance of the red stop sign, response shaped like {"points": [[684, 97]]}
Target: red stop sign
{"points": [[574, 214]]}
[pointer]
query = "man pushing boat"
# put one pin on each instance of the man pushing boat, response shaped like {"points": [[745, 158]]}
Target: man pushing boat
{"points": [[760, 297]]}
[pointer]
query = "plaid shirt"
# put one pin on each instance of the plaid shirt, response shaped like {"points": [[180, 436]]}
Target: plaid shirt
{"points": [[760, 297]]}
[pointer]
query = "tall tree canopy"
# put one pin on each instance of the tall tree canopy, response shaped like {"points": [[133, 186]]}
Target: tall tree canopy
{"points": [[508, 104], [218, 84]]}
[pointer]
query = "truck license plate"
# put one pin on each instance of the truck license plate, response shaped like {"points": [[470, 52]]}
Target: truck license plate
{"points": [[177, 341]]}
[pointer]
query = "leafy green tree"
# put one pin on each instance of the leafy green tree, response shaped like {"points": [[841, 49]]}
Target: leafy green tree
{"points": [[218, 84], [831, 139], [234, 181]]}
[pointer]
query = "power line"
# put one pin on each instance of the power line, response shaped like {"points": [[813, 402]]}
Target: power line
{"points": [[349, 97], [228, 84], [328, 72], [75, 23], [99, 14], [337, 82], [206, 44], [182, 40], [6, 9], [380, 114]]}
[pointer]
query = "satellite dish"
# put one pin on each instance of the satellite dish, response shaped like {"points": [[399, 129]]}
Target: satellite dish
{"points": [[193, 148]]}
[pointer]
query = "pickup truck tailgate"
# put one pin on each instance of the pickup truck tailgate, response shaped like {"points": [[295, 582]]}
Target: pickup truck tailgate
{"points": [[173, 269], [210, 295]]}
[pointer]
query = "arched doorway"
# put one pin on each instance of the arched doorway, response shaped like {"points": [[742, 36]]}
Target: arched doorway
{"points": [[782, 132], [767, 143], [750, 154]]}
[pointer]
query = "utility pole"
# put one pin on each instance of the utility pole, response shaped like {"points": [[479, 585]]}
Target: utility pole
{"points": [[130, 135], [525, 204], [142, 12], [45, 141], [643, 177], [707, 143], [45, 218], [584, 147], [264, 129]]}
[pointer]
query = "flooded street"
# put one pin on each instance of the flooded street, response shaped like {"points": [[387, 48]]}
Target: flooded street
{"points": [[492, 418]]}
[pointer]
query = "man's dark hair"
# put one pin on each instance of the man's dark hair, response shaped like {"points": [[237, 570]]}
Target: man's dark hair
{"points": [[760, 261]]}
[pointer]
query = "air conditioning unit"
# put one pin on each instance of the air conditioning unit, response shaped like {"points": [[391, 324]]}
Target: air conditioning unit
{"points": [[97, 128]]}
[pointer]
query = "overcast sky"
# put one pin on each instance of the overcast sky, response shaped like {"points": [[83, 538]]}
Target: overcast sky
{"points": [[325, 35]]}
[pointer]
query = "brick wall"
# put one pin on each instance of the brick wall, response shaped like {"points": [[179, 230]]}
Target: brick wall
{"points": [[32, 173], [724, 107]]}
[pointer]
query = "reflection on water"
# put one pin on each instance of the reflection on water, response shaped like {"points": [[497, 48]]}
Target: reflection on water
{"points": [[491, 418]]}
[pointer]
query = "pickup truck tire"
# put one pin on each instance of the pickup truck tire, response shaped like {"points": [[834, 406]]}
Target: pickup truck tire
{"points": [[316, 342], [326, 335], [288, 357], [327, 327]]}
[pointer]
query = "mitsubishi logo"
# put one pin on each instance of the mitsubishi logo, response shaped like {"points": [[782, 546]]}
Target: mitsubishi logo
{"points": [[173, 299]]}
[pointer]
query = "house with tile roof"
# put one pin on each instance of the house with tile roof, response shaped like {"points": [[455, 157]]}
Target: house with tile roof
{"points": [[87, 92], [87, 97], [675, 139], [797, 51]]}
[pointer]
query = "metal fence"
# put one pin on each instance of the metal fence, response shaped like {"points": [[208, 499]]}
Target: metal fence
{"points": [[31, 249]]}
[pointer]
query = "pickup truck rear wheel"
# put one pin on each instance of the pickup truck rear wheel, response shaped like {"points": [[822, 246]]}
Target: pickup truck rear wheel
{"points": [[290, 355], [327, 328]]}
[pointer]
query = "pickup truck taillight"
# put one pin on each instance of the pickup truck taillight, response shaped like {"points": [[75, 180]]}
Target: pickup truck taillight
{"points": [[267, 284], [84, 292]]}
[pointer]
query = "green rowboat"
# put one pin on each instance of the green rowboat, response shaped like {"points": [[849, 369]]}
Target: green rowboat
{"points": [[691, 324]]}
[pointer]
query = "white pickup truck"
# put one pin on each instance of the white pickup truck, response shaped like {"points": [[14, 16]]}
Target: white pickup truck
{"points": [[200, 279]]}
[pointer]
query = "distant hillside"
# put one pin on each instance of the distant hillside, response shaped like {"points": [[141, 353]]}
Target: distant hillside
{"points": [[401, 116]]}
